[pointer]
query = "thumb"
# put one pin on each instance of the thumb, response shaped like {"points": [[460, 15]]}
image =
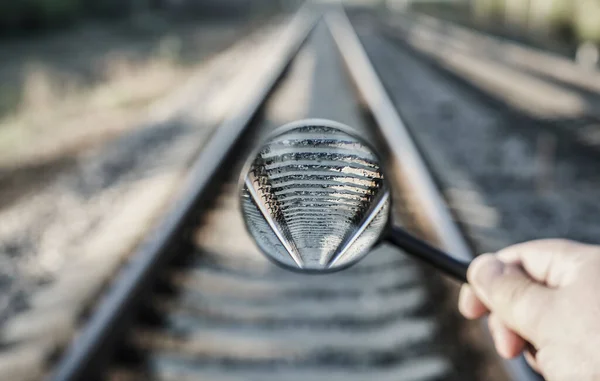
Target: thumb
{"points": [[518, 300]]}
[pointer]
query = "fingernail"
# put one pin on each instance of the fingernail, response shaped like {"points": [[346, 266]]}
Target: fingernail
{"points": [[485, 270]]}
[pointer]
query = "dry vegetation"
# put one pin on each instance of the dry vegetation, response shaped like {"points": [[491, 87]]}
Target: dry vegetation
{"points": [[64, 92]]}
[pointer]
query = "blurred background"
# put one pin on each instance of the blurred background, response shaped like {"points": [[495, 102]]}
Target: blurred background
{"points": [[105, 103], [87, 89], [568, 27]]}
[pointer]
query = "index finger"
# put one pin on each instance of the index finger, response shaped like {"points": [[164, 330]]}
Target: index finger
{"points": [[469, 304], [547, 261]]}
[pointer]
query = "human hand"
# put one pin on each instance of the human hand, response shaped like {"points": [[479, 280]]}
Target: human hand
{"points": [[543, 299]]}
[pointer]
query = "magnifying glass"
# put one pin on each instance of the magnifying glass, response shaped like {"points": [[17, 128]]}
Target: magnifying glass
{"points": [[315, 199]]}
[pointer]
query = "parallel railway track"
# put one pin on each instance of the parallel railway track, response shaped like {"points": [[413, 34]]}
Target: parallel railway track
{"points": [[198, 301]]}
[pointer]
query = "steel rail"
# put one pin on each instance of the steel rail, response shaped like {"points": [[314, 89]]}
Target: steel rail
{"points": [[405, 154], [87, 356]]}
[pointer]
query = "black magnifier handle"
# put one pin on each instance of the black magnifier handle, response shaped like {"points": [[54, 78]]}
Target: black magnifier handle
{"points": [[429, 254], [433, 256]]}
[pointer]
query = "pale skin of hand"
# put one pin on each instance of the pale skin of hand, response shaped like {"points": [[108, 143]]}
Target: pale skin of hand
{"points": [[543, 299]]}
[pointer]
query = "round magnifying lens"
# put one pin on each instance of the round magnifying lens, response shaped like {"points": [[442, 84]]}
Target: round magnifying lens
{"points": [[314, 196]]}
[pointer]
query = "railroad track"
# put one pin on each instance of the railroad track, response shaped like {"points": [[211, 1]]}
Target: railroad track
{"points": [[496, 195], [198, 301]]}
